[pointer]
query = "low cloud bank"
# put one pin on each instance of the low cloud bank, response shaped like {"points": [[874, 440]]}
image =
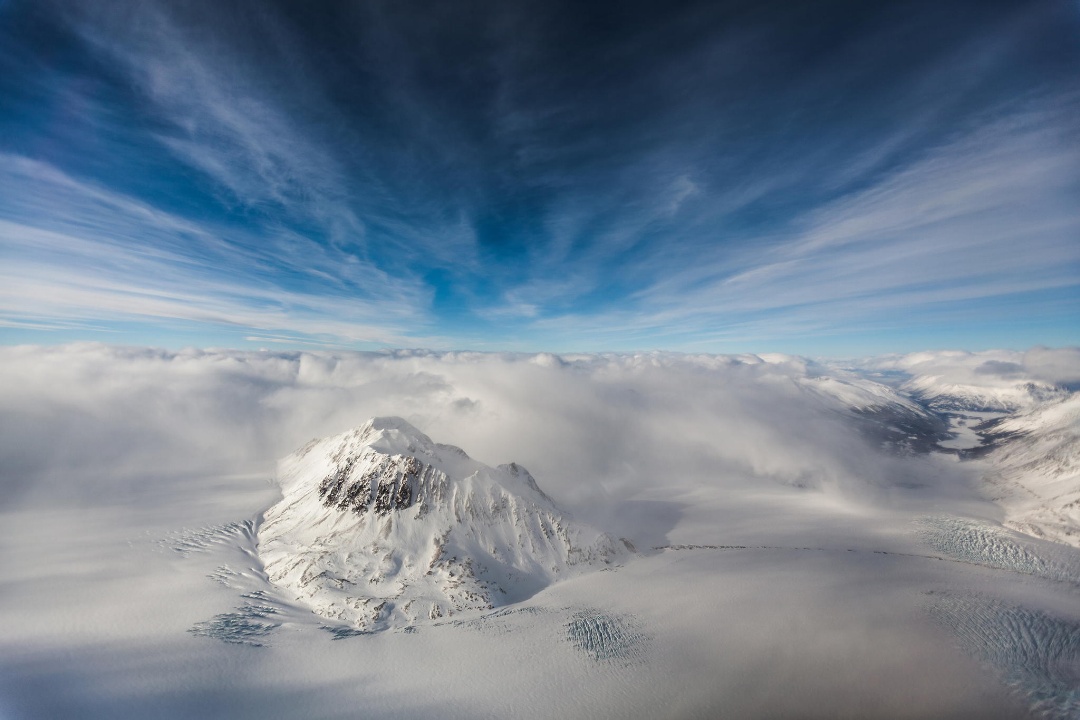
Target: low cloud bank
{"points": [[87, 422]]}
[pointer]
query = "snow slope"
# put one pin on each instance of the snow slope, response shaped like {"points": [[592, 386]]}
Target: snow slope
{"points": [[381, 527], [957, 381], [879, 412], [1019, 412], [944, 396], [1035, 470]]}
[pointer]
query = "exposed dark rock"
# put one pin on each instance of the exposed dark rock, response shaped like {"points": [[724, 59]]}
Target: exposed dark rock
{"points": [[330, 487]]}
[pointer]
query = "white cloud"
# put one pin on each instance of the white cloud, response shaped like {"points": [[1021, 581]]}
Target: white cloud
{"points": [[226, 124], [989, 215], [589, 427], [261, 126], [77, 254]]}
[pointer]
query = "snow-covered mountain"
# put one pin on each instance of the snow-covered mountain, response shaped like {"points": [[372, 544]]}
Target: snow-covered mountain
{"points": [[381, 527], [879, 412], [1017, 413], [956, 381], [1008, 395], [1035, 469]]}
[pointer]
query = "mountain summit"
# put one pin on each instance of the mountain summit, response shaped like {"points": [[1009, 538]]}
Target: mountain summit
{"points": [[381, 527]]}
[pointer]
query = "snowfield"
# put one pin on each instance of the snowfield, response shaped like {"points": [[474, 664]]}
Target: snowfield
{"points": [[716, 536]]}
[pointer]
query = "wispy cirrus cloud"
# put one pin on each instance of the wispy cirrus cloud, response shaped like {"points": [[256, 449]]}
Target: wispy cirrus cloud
{"points": [[976, 221], [519, 177], [80, 255], [220, 113]]}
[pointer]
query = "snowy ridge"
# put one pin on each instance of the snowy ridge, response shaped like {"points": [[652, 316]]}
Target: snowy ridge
{"points": [[1035, 472], [992, 381], [879, 412], [1004, 396], [858, 394], [381, 527]]}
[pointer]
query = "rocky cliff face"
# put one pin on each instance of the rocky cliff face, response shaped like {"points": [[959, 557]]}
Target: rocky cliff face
{"points": [[381, 527]]}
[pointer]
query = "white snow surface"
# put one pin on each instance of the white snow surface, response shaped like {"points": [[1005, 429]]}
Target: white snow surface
{"points": [[1007, 395], [994, 380], [380, 527], [1035, 473]]}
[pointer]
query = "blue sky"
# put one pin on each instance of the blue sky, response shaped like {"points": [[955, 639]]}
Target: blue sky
{"points": [[817, 178]]}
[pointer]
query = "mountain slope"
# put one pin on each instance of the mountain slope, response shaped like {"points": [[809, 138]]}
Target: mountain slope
{"points": [[954, 381], [381, 527], [1035, 473], [1003, 396], [879, 412]]}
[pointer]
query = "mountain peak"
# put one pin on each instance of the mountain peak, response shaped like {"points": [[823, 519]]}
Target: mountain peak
{"points": [[382, 527], [392, 434]]}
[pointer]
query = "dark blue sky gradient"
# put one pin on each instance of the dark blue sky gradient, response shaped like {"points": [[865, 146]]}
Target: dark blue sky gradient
{"points": [[821, 178]]}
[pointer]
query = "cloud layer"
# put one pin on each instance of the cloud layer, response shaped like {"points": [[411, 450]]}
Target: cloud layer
{"points": [[595, 430]]}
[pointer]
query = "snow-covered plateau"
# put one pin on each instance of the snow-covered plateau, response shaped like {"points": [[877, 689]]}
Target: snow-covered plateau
{"points": [[696, 536]]}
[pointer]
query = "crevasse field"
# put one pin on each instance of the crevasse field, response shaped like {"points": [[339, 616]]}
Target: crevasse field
{"points": [[891, 538]]}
